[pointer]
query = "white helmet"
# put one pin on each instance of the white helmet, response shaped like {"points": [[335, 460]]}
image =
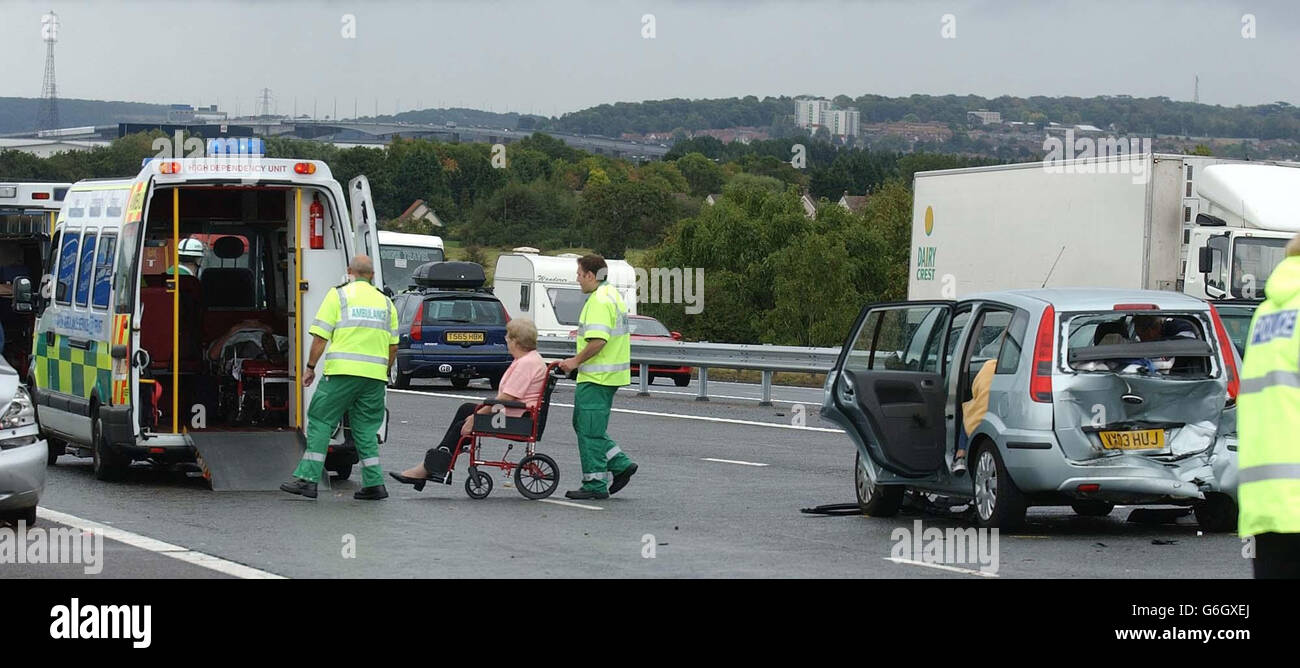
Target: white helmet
{"points": [[191, 248]]}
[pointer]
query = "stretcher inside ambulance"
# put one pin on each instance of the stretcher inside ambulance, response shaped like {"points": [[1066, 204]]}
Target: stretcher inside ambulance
{"points": [[201, 345]]}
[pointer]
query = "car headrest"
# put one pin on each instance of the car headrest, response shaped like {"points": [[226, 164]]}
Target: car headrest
{"points": [[228, 247]]}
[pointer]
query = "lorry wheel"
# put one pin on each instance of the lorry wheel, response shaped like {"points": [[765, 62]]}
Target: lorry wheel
{"points": [[108, 465], [1092, 508], [398, 379], [998, 502], [460, 383], [682, 380], [1217, 513], [875, 500]]}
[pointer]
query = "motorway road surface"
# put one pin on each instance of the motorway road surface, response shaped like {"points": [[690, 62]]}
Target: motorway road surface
{"points": [[718, 495]]}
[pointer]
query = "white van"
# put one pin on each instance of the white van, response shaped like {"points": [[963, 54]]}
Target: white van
{"points": [[545, 289], [132, 362], [401, 253]]}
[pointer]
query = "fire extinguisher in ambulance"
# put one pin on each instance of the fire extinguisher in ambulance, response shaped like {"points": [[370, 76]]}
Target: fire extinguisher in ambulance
{"points": [[316, 216]]}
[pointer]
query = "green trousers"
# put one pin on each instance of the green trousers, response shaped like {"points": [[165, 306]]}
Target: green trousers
{"points": [[363, 400], [600, 455]]}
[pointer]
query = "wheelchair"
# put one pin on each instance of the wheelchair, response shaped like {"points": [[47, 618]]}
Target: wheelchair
{"points": [[536, 475]]}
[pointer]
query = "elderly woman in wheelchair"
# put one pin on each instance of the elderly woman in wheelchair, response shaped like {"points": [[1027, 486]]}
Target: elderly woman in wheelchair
{"points": [[522, 388]]}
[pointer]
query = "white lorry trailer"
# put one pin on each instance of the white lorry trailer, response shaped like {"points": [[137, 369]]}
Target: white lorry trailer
{"points": [[1208, 227]]}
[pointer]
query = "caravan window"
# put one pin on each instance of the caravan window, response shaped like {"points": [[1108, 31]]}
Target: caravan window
{"points": [[398, 263], [67, 267], [567, 304], [85, 267]]}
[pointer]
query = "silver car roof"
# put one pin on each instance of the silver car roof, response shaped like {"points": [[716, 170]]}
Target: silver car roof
{"points": [[1091, 299]]}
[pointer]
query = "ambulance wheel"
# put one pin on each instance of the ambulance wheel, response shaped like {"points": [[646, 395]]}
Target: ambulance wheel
{"points": [[56, 447], [27, 515], [1217, 513], [342, 472], [478, 485], [398, 379], [537, 476], [875, 500], [460, 383], [108, 465]]}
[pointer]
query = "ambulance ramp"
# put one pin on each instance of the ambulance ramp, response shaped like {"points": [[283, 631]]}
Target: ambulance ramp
{"points": [[247, 461]]}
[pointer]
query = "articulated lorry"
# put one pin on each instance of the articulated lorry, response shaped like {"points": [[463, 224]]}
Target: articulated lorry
{"points": [[1207, 227]]}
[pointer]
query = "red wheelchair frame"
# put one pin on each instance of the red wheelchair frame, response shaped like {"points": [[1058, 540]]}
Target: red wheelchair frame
{"points": [[536, 475]]}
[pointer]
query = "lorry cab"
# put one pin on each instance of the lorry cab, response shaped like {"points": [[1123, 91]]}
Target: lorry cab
{"points": [[545, 288], [27, 215], [1242, 229], [142, 353]]}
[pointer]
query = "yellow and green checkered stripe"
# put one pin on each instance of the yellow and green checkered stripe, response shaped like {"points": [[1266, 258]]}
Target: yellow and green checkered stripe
{"points": [[73, 371]]}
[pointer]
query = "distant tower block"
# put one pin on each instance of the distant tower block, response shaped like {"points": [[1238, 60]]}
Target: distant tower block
{"points": [[47, 117]]}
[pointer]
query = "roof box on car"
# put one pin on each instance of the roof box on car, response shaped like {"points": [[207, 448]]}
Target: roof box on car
{"points": [[449, 275]]}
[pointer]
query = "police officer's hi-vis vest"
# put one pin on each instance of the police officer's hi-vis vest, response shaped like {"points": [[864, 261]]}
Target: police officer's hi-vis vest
{"points": [[604, 316], [1268, 411], [360, 323]]}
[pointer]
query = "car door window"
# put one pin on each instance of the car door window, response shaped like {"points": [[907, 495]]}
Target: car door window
{"points": [[959, 324], [1013, 343], [904, 338]]}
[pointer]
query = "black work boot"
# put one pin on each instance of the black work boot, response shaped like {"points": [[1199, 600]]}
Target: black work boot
{"points": [[373, 493], [300, 487], [621, 478]]}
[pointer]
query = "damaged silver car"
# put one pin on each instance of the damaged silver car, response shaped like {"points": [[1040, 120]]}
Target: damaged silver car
{"points": [[1098, 397]]}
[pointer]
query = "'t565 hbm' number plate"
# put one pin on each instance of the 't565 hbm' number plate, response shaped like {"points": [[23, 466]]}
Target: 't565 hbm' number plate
{"points": [[1142, 439], [465, 337]]}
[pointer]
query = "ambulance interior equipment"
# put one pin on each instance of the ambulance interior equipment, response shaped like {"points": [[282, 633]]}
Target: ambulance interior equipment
{"points": [[242, 289], [27, 214]]}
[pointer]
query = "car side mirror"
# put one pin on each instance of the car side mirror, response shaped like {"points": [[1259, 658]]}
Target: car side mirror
{"points": [[24, 298], [1204, 259], [677, 336]]}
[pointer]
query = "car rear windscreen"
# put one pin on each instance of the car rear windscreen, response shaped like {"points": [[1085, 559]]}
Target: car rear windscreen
{"points": [[1145, 343], [464, 311], [647, 327]]}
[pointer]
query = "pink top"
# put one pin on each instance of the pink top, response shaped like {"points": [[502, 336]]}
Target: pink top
{"points": [[525, 380]]}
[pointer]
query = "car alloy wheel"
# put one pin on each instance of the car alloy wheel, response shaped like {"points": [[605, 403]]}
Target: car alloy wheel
{"points": [[986, 484]]}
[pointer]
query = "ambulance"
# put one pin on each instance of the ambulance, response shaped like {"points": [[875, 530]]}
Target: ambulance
{"points": [[145, 354], [27, 214]]}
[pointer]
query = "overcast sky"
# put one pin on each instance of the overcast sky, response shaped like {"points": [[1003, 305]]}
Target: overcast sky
{"points": [[553, 57]]}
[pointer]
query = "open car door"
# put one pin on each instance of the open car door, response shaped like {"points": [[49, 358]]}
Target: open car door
{"points": [[889, 385]]}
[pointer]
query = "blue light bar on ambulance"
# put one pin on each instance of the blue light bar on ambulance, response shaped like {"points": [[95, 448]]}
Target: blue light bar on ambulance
{"points": [[236, 146]]}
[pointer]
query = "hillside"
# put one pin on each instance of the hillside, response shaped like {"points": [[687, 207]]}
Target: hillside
{"points": [[18, 114]]}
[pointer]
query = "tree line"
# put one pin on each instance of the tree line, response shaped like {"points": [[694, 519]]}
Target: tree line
{"points": [[773, 274]]}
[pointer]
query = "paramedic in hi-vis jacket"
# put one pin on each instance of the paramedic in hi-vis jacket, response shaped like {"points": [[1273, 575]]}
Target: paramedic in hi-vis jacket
{"points": [[360, 325], [604, 363]]}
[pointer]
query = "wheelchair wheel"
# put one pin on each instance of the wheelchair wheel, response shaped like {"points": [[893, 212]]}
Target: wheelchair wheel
{"points": [[537, 476], [478, 485]]}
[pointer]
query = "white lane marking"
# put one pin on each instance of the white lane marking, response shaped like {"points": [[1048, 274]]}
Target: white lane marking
{"points": [[630, 411], [942, 567], [178, 552], [570, 504], [696, 394], [731, 461]]}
